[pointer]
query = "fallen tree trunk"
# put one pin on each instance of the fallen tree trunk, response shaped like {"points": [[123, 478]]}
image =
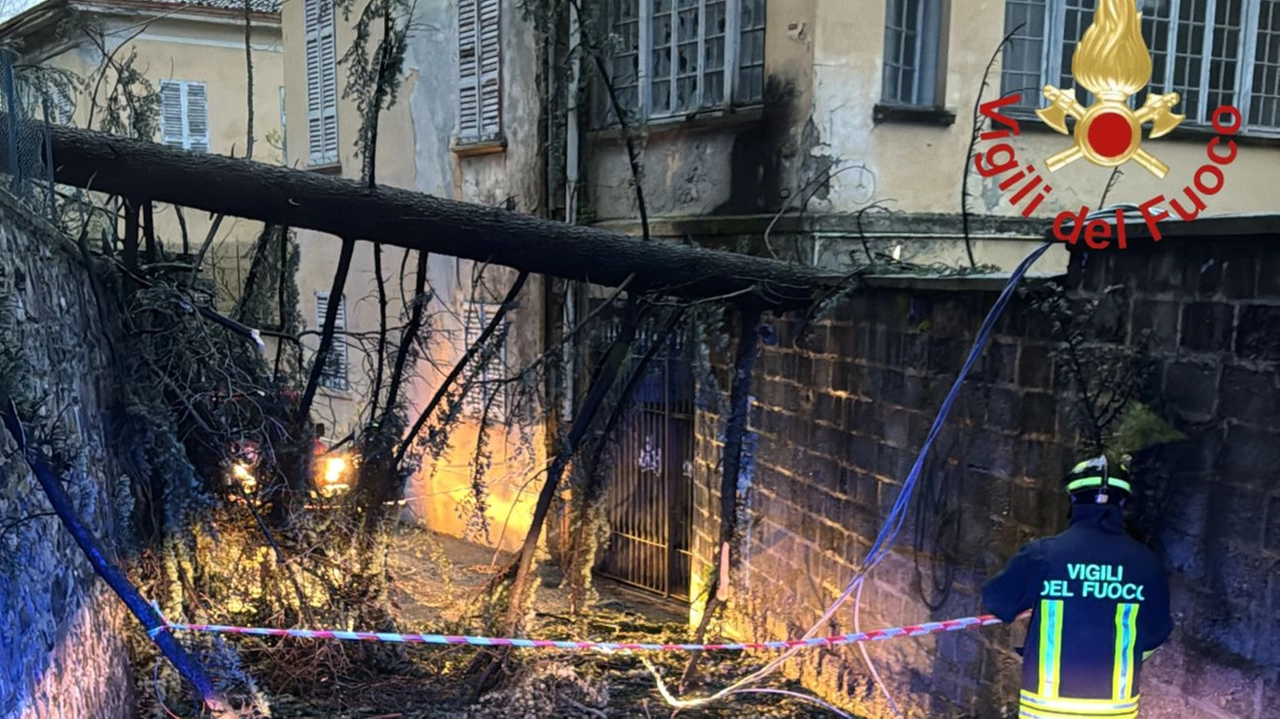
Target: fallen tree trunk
{"points": [[401, 218]]}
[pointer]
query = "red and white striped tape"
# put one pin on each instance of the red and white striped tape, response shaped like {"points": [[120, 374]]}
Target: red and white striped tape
{"points": [[916, 630]]}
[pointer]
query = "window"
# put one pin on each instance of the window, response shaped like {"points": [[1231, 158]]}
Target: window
{"points": [[61, 107], [479, 76], [487, 390], [1211, 52], [322, 84], [184, 115], [913, 62], [1264, 102], [334, 375], [672, 58]]}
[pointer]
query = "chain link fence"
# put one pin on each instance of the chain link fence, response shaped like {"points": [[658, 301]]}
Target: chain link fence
{"points": [[25, 145]]}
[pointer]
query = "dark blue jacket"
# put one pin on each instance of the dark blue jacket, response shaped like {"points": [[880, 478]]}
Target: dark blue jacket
{"points": [[1099, 601]]}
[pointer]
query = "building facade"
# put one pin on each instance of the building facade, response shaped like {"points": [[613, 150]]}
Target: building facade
{"points": [[820, 131], [828, 132], [192, 56], [459, 130]]}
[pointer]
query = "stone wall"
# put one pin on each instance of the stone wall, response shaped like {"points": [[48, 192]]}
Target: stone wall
{"points": [[61, 629], [841, 415]]}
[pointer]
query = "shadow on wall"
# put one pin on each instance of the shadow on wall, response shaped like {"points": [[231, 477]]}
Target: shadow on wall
{"points": [[755, 169]]}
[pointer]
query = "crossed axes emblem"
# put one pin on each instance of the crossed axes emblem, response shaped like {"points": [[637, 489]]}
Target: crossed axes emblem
{"points": [[1108, 133], [1113, 63]]}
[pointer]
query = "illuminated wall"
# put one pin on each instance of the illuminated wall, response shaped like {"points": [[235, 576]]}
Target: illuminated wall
{"points": [[62, 651], [841, 419]]}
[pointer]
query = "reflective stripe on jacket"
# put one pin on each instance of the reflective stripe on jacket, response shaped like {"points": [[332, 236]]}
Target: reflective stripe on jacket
{"points": [[1099, 601]]}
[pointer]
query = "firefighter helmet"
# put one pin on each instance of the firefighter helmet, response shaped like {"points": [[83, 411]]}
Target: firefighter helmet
{"points": [[1099, 476]]}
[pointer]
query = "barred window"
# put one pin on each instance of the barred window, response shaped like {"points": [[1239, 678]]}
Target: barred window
{"points": [[671, 58], [913, 61], [1211, 52]]}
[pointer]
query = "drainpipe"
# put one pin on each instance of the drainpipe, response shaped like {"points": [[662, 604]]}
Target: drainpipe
{"points": [[572, 159], [571, 122]]}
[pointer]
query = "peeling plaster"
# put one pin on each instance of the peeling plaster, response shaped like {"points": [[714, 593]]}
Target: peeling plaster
{"points": [[430, 50]]}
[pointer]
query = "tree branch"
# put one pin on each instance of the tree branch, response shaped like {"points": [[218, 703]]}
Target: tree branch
{"points": [[600, 386], [973, 142], [248, 66], [381, 355], [734, 435], [330, 320], [411, 220], [410, 333], [471, 352]]}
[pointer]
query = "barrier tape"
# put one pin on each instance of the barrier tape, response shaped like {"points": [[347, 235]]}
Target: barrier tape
{"points": [[917, 630]]}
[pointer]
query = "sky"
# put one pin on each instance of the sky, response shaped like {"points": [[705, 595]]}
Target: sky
{"points": [[9, 8]]}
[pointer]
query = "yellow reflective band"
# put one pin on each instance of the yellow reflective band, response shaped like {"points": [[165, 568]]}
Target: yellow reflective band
{"points": [[1097, 482], [1126, 635], [1050, 646], [1087, 707], [1028, 713]]}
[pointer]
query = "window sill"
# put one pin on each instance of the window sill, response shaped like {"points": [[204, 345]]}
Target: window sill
{"points": [[709, 119], [913, 115], [332, 168], [483, 147], [1183, 133], [335, 393]]}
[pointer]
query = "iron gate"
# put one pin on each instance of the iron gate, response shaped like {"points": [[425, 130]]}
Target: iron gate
{"points": [[649, 500]]}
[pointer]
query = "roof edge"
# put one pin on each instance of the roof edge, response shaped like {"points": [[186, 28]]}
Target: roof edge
{"points": [[40, 16]]}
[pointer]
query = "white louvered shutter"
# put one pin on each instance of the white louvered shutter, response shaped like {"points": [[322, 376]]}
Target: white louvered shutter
{"points": [[197, 116], [468, 71], [488, 378], [322, 82], [475, 320], [334, 375], [64, 107], [490, 75], [173, 127]]}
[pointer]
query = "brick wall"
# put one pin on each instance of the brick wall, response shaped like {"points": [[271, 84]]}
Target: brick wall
{"points": [[62, 651], [841, 417]]}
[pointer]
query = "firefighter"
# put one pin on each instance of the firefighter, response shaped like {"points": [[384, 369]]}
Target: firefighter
{"points": [[1099, 604]]}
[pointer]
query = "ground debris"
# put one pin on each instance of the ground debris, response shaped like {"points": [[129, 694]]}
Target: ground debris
{"points": [[433, 579]]}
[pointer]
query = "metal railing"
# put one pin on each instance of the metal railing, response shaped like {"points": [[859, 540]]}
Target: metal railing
{"points": [[26, 143]]}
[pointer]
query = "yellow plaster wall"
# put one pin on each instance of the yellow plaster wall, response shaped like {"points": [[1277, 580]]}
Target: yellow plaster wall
{"points": [[201, 49], [415, 152], [920, 166]]}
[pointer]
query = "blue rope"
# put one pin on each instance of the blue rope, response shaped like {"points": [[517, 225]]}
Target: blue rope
{"points": [[893, 525]]}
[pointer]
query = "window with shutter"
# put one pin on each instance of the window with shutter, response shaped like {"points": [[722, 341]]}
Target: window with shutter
{"points": [[62, 107], [487, 390], [334, 375], [173, 126], [479, 71], [322, 82], [184, 115], [197, 111]]}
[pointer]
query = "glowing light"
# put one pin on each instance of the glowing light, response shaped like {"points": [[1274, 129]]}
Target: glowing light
{"points": [[240, 471], [334, 478]]}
